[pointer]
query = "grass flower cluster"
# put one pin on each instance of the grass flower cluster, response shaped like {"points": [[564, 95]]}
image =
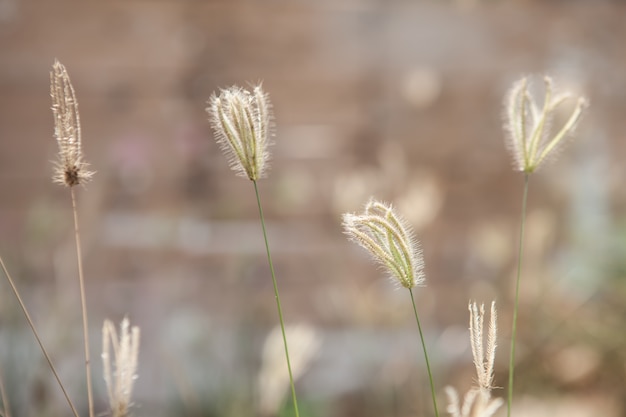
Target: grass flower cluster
{"points": [[71, 168], [242, 122], [529, 124], [120, 375], [477, 402], [387, 238], [484, 358]]}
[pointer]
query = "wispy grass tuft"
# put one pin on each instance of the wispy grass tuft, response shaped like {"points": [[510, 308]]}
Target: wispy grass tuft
{"points": [[477, 402], [71, 170], [529, 124], [531, 140], [384, 234], [242, 124], [120, 375]]}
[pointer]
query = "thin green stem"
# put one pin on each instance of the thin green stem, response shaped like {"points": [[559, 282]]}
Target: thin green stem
{"points": [[32, 327], [83, 304], [430, 374], [516, 304], [277, 297]]}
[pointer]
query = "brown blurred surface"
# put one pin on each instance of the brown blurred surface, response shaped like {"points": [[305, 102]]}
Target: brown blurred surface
{"points": [[396, 99]]}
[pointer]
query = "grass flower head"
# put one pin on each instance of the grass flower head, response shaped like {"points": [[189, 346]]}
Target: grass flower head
{"points": [[529, 124], [478, 402], [70, 169], [242, 123], [121, 375], [391, 243]]}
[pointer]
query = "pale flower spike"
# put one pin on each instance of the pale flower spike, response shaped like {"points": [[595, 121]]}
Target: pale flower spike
{"points": [[242, 123], [120, 376], [477, 402], [529, 126], [386, 237], [70, 169]]}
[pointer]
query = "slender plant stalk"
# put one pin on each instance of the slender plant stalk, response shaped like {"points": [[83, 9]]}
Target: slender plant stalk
{"points": [[278, 305], [6, 408], [32, 327], [516, 304], [430, 374], [83, 303]]}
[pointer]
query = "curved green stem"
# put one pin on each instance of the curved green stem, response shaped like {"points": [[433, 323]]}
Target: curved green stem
{"points": [[516, 304], [430, 374], [278, 305]]}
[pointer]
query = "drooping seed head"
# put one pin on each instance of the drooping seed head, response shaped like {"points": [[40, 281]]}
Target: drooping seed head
{"points": [[242, 124], [531, 138], [391, 243], [120, 376], [70, 168]]}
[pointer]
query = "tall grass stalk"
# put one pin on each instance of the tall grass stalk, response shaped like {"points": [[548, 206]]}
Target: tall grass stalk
{"points": [[278, 304], [83, 304], [531, 140], [70, 171], [393, 245], [242, 122], [430, 374], [520, 255], [32, 327]]}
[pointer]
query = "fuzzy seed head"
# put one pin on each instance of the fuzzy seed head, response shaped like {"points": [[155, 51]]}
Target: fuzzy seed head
{"points": [[70, 168], [531, 137], [242, 124], [484, 356], [477, 402], [120, 375], [389, 241]]}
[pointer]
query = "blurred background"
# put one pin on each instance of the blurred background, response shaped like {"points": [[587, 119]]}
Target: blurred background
{"points": [[396, 99]]}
